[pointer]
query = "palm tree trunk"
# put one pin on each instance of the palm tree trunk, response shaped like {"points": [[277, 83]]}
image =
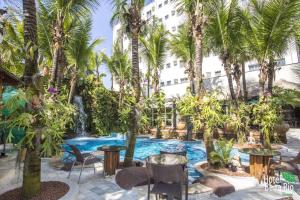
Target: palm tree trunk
{"points": [[270, 78], [263, 74], [32, 163], [198, 65], [227, 68], [245, 91], [73, 85], [133, 128], [58, 55], [121, 93], [209, 146], [112, 82]]}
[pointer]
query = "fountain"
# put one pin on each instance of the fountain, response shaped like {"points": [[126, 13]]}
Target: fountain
{"points": [[81, 118]]}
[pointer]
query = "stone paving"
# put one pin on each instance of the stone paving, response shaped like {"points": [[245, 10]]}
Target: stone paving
{"points": [[96, 187]]}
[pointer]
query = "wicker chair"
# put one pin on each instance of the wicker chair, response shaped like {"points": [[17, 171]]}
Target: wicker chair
{"points": [[168, 179], [83, 159]]}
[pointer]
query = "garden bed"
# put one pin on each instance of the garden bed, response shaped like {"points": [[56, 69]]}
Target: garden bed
{"points": [[51, 190], [225, 171]]}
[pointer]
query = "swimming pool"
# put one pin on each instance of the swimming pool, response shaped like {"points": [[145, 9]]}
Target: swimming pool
{"points": [[146, 147]]}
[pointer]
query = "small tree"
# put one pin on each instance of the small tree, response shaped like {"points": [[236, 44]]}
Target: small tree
{"points": [[206, 113]]}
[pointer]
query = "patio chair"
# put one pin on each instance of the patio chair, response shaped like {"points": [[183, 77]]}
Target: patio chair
{"points": [[285, 163], [83, 159], [168, 180]]}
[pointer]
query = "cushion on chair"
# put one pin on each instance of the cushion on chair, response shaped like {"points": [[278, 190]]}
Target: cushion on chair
{"points": [[220, 187], [133, 176]]}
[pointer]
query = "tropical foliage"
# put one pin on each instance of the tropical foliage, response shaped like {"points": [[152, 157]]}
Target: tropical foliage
{"points": [[221, 156]]}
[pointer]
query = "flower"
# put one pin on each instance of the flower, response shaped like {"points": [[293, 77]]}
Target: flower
{"points": [[52, 90]]}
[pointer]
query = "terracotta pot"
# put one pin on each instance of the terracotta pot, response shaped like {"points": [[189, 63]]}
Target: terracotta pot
{"points": [[281, 130], [181, 125], [228, 128]]}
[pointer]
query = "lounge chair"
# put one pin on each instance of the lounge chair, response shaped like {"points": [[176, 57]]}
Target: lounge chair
{"points": [[168, 179], [83, 159]]}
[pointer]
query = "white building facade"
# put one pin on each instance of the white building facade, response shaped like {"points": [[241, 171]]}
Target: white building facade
{"points": [[174, 81]]}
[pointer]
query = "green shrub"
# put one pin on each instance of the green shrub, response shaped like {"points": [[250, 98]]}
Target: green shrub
{"points": [[221, 156]]}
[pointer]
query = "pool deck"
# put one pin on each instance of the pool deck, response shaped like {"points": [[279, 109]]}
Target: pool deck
{"points": [[95, 186]]}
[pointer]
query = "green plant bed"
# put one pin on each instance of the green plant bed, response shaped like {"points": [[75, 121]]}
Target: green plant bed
{"points": [[205, 169]]}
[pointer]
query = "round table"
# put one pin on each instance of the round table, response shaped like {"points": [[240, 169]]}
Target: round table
{"points": [[167, 159], [111, 158], [259, 159]]}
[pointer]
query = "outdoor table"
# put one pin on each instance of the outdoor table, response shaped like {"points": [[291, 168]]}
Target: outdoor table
{"points": [[259, 159], [167, 159], [111, 158]]}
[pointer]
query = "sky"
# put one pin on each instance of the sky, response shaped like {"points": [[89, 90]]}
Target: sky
{"points": [[102, 29]]}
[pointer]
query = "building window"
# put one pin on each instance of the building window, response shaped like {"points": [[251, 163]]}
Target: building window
{"points": [[162, 84], [217, 73], [168, 65], [160, 5], [183, 80], [280, 62], [179, 12], [166, 2], [173, 12], [208, 74], [181, 63], [175, 81], [175, 63], [173, 28], [166, 17], [149, 14], [253, 67], [168, 82]]}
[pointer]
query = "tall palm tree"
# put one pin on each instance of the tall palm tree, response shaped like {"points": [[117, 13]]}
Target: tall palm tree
{"points": [[129, 14], [270, 26], [61, 12], [155, 51], [223, 34], [183, 46], [197, 19], [119, 66], [79, 52], [32, 163]]}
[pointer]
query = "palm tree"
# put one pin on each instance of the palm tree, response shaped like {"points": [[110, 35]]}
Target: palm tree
{"points": [[120, 67], [270, 26], [183, 46], [196, 18], [79, 52], [59, 13], [128, 13], [155, 51], [223, 34], [32, 163]]}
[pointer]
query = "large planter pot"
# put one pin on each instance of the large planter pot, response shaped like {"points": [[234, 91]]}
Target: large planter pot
{"points": [[181, 125], [218, 133], [228, 128], [281, 130]]}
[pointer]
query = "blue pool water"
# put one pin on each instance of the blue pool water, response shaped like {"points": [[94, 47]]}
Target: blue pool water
{"points": [[146, 147]]}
